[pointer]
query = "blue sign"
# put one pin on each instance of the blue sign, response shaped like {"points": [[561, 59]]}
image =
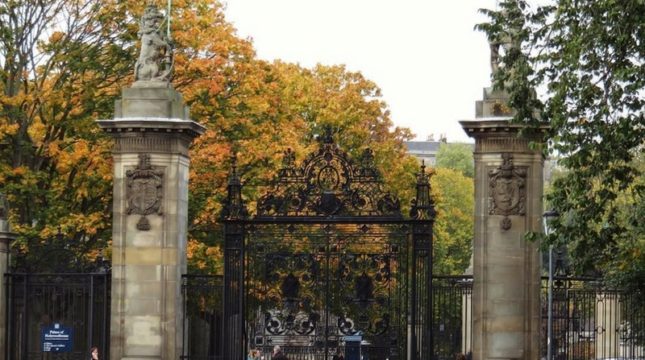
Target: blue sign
{"points": [[353, 338], [57, 338], [353, 347]]}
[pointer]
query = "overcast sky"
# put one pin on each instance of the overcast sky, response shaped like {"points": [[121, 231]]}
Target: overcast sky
{"points": [[424, 54]]}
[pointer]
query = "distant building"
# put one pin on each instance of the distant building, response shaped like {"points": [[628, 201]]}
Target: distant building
{"points": [[424, 150], [427, 150]]}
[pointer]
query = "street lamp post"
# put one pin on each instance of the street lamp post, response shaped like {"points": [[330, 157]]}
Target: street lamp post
{"points": [[548, 215]]}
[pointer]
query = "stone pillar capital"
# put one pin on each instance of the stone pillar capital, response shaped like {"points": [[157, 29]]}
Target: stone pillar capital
{"points": [[152, 119], [500, 134]]}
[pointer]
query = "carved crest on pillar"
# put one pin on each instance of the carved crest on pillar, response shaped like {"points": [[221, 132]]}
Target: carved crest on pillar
{"points": [[507, 195], [144, 191]]}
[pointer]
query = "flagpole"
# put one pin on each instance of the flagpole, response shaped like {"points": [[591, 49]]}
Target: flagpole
{"points": [[168, 20]]}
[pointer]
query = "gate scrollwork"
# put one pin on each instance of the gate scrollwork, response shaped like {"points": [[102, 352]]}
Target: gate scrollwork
{"points": [[285, 276], [285, 322], [366, 281], [328, 183]]}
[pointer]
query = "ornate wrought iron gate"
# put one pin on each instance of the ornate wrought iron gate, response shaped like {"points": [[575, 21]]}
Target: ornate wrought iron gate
{"points": [[328, 256]]}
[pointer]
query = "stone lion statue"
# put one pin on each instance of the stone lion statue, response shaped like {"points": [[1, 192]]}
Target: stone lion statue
{"points": [[155, 61]]}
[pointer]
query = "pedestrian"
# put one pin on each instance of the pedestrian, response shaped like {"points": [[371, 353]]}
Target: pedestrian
{"points": [[94, 353], [338, 355], [278, 354], [460, 356]]}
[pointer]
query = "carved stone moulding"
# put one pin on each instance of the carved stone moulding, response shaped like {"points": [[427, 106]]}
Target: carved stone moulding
{"points": [[507, 190], [144, 191], [499, 134], [121, 126]]}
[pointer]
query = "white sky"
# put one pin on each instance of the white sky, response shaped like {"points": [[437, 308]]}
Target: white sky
{"points": [[424, 54]]}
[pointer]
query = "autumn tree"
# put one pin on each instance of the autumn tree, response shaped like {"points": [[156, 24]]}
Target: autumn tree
{"points": [[64, 63], [61, 62], [578, 67], [283, 106]]}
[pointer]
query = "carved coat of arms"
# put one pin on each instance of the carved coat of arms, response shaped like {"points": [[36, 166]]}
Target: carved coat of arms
{"points": [[507, 195], [144, 191]]}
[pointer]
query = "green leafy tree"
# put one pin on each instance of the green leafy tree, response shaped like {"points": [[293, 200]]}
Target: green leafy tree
{"points": [[453, 230], [456, 156], [586, 61]]}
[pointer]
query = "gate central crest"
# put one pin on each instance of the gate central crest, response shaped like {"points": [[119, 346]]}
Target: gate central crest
{"points": [[328, 183]]}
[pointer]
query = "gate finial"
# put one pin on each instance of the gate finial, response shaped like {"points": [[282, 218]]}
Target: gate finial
{"points": [[234, 207], [422, 204]]}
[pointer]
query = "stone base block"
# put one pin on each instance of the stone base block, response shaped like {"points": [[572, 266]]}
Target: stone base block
{"points": [[151, 102]]}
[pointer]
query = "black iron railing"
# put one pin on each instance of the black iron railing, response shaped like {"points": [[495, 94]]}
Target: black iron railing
{"points": [[37, 302], [202, 326], [589, 321]]}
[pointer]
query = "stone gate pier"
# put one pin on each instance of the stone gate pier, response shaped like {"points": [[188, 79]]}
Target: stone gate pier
{"points": [[508, 203], [152, 134]]}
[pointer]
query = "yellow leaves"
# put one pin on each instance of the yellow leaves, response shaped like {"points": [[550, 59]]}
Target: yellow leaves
{"points": [[88, 224], [53, 149], [76, 111], [69, 159], [20, 171], [214, 252], [9, 129], [37, 130], [191, 248], [203, 257], [16, 100], [56, 36]]}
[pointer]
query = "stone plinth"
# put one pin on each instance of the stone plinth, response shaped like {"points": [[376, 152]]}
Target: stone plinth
{"points": [[152, 135], [506, 268], [494, 104]]}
